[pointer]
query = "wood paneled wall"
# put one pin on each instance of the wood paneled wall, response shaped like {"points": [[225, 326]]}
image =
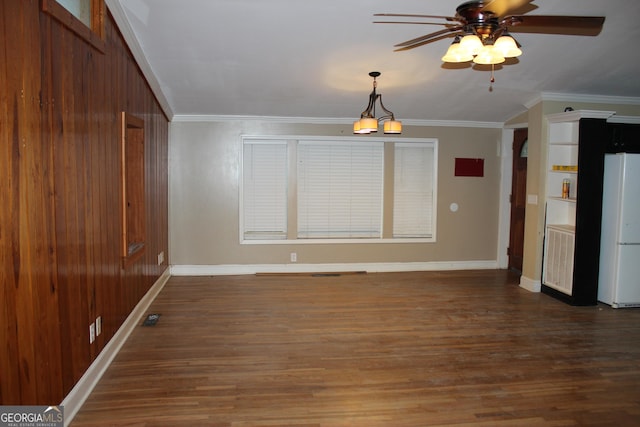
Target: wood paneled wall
{"points": [[60, 222]]}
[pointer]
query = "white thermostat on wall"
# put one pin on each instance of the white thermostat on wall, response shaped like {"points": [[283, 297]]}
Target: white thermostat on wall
{"points": [[453, 207]]}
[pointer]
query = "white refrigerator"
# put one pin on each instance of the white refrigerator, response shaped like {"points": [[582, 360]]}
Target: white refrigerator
{"points": [[619, 278]]}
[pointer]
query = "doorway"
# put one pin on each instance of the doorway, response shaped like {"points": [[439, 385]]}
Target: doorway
{"points": [[518, 199]]}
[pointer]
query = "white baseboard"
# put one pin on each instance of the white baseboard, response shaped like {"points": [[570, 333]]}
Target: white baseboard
{"points": [[221, 270], [77, 396], [530, 284]]}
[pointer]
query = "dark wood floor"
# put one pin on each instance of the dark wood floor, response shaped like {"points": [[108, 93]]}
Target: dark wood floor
{"points": [[386, 349]]}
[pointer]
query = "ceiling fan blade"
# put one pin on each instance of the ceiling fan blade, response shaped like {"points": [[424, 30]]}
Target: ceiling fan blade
{"points": [[403, 15], [411, 22], [551, 24], [504, 7], [419, 41], [422, 43]]}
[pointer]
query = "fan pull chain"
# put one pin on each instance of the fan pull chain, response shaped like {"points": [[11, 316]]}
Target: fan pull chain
{"points": [[493, 79]]}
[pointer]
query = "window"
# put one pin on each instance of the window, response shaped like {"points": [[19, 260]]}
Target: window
{"points": [[83, 17], [524, 151], [81, 9], [265, 190], [340, 189], [132, 188], [413, 190], [306, 189]]}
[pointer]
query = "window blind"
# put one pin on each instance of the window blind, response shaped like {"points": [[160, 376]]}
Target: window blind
{"points": [[413, 203], [264, 190], [340, 189]]}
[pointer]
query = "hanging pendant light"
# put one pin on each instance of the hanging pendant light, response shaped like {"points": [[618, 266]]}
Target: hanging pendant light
{"points": [[357, 128], [368, 122], [392, 126]]}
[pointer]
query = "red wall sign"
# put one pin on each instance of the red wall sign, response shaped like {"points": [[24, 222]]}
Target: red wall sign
{"points": [[469, 167]]}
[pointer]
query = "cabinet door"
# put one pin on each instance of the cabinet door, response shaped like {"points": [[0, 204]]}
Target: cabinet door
{"points": [[559, 252], [623, 138]]}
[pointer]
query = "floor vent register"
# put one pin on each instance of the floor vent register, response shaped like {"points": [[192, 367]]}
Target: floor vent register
{"points": [[151, 320]]}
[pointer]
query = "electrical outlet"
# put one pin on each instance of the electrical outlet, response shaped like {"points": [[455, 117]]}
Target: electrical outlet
{"points": [[294, 257], [92, 333], [160, 258], [98, 325]]}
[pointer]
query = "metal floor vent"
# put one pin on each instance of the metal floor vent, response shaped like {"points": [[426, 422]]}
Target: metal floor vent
{"points": [[151, 320]]}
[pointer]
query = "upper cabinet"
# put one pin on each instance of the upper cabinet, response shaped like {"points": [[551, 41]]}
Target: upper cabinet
{"points": [[624, 134]]}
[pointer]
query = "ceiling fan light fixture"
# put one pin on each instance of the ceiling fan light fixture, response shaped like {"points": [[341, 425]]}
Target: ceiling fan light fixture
{"points": [[471, 43], [507, 46], [481, 30], [456, 53], [368, 122], [489, 55]]}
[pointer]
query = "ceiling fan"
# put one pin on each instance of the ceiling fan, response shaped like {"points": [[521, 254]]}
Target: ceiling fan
{"points": [[486, 24]]}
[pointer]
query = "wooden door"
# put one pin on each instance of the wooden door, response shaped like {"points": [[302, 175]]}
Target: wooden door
{"points": [[518, 199]]}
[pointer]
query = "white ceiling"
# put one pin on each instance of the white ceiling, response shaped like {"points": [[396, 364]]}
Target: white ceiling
{"points": [[295, 58]]}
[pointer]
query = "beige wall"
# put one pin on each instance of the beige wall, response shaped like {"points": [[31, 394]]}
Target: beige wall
{"points": [[536, 173], [204, 190], [534, 213]]}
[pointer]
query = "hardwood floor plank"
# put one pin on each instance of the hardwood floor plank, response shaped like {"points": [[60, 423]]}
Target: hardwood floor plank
{"points": [[386, 349]]}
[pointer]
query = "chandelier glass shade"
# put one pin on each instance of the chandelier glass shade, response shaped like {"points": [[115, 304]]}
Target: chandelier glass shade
{"points": [[368, 122]]}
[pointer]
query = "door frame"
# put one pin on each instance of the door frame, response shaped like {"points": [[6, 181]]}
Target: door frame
{"points": [[505, 152], [518, 195]]}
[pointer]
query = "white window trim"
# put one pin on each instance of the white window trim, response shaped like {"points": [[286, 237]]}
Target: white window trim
{"points": [[307, 138]]}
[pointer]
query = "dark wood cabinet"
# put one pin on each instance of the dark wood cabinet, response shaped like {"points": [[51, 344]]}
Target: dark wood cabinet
{"points": [[623, 138]]}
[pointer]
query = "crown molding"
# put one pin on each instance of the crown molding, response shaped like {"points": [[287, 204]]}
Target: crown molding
{"points": [[574, 97], [521, 125], [569, 116], [328, 120], [624, 119]]}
